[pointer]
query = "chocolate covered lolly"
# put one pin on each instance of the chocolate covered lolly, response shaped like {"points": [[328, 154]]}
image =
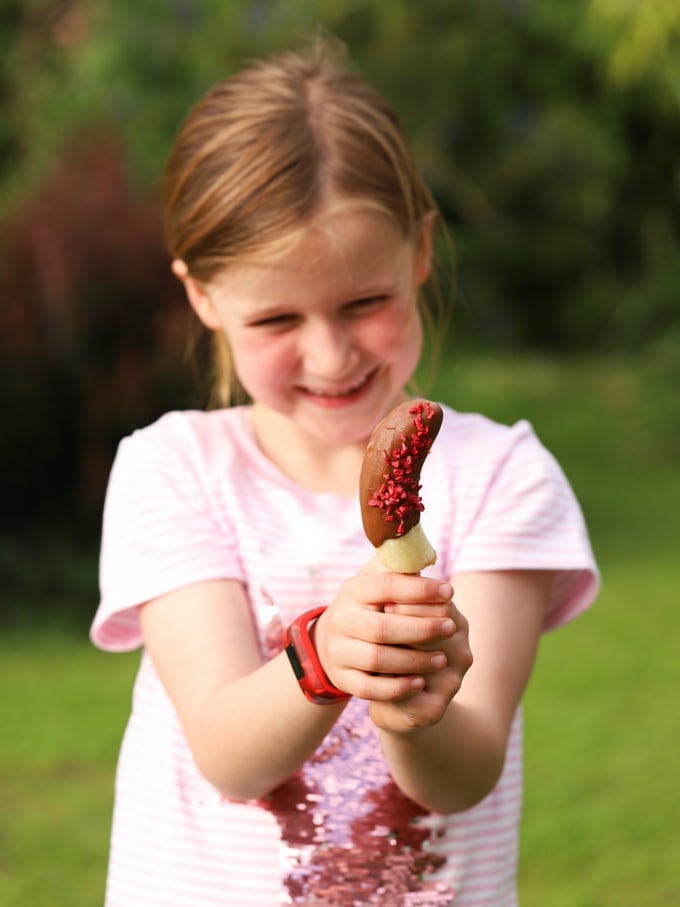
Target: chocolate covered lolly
{"points": [[389, 485]]}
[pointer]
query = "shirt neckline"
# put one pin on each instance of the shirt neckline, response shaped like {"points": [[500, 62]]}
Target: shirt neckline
{"points": [[247, 438]]}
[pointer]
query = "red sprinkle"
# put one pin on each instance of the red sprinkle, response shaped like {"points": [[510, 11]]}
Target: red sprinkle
{"points": [[398, 495]]}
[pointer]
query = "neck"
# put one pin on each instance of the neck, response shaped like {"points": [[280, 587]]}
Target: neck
{"points": [[312, 464]]}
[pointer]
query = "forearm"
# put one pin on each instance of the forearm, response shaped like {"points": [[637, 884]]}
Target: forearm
{"points": [[449, 766], [256, 731], [246, 721]]}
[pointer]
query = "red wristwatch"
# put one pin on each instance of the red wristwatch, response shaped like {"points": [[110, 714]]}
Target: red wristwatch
{"points": [[305, 662]]}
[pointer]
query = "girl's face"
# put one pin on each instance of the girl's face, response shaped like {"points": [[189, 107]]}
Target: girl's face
{"points": [[328, 333]]}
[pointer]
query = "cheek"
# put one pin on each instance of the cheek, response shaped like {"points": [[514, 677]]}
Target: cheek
{"points": [[400, 334], [256, 360]]}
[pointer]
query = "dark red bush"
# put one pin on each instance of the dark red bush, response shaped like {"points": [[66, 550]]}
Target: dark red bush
{"points": [[93, 334]]}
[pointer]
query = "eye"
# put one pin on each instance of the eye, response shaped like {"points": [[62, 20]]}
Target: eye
{"points": [[366, 305], [275, 322]]}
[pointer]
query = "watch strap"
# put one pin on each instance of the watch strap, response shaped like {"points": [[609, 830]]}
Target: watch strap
{"points": [[305, 663]]}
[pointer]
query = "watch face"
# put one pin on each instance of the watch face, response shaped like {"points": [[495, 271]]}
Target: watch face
{"points": [[295, 661]]}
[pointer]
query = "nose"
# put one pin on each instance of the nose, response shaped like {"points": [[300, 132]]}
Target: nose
{"points": [[329, 349]]}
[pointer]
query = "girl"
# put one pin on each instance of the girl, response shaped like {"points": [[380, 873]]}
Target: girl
{"points": [[302, 233]]}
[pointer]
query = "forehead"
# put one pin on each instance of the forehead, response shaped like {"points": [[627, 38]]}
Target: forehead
{"points": [[353, 237], [345, 244], [336, 223]]}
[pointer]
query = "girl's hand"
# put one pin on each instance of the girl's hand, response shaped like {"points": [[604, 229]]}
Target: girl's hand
{"points": [[377, 650], [426, 707]]}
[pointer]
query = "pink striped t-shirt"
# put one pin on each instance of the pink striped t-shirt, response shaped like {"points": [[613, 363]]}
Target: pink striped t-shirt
{"points": [[192, 498]]}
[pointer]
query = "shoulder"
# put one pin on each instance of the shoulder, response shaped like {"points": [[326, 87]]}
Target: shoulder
{"points": [[186, 428], [177, 462], [165, 523], [500, 478], [513, 508], [194, 438], [476, 443]]}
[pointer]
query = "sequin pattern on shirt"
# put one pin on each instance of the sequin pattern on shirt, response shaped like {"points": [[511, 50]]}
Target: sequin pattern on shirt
{"points": [[348, 834]]}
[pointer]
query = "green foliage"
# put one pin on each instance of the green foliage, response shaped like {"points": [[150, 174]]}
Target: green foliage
{"points": [[47, 580], [547, 130]]}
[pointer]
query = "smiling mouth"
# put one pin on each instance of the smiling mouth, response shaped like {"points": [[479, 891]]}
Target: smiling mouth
{"points": [[343, 393]]}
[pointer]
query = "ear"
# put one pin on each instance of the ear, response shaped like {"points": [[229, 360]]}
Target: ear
{"points": [[197, 296], [423, 258]]}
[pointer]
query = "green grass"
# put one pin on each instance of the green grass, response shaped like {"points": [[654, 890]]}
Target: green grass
{"points": [[62, 713], [602, 814]]}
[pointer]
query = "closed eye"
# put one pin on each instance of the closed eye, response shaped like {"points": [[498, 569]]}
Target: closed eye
{"points": [[275, 322], [365, 305]]}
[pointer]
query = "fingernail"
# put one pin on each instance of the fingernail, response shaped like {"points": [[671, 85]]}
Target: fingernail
{"points": [[445, 590], [439, 660], [448, 627]]}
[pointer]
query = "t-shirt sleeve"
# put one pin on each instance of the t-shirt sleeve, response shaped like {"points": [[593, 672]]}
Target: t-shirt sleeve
{"points": [[528, 518], [159, 531]]}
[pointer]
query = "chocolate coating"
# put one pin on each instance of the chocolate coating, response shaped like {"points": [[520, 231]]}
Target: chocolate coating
{"points": [[389, 483]]}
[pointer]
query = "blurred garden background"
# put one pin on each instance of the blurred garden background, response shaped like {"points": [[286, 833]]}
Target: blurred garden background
{"points": [[549, 132]]}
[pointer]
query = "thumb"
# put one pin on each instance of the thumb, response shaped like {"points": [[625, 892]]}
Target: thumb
{"points": [[374, 566]]}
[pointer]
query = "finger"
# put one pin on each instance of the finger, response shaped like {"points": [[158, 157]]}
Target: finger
{"points": [[397, 660], [425, 609], [387, 629], [374, 566], [382, 687], [387, 586]]}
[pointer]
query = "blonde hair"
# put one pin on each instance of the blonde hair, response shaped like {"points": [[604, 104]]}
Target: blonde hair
{"points": [[262, 153]]}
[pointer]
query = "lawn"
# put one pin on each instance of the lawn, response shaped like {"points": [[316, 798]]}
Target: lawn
{"points": [[62, 712], [602, 722]]}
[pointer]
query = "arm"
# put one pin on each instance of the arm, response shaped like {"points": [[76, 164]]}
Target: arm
{"points": [[203, 644], [246, 722], [446, 745]]}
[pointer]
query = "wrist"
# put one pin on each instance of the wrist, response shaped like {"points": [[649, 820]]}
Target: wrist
{"points": [[298, 641]]}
